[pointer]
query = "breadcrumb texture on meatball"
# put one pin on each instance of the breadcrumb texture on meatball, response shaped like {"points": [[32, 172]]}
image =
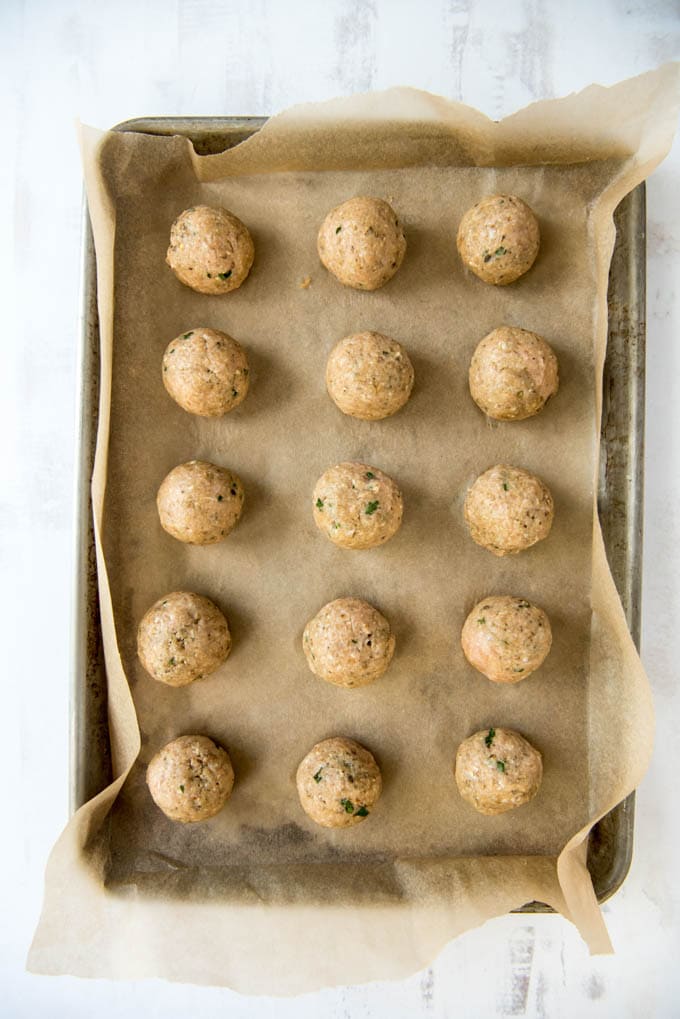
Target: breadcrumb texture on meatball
{"points": [[206, 372], [338, 782], [348, 643], [357, 506], [507, 510], [200, 503], [513, 374], [506, 638], [498, 239], [362, 243], [369, 376], [190, 779], [182, 637], [497, 770], [210, 250]]}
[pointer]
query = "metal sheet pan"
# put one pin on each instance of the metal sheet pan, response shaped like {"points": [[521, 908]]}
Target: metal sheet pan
{"points": [[620, 491]]}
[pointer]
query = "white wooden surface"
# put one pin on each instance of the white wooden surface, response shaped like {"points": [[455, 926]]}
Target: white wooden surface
{"points": [[107, 61]]}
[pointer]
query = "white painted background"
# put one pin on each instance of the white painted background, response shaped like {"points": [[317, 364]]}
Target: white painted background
{"points": [[107, 61]]}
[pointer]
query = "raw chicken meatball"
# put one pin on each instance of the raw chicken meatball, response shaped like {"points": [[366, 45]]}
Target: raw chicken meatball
{"points": [[369, 376], [338, 782], [499, 239], [348, 642], [190, 779], [200, 503], [211, 250], [183, 637], [357, 506], [506, 638], [362, 243], [513, 374], [497, 770], [508, 509], [206, 372]]}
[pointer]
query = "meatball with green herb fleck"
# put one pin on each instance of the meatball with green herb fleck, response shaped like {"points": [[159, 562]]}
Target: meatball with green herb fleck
{"points": [[357, 506], [190, 779], [369, 376], [362, 243], [348, 642], [183, 637], [506, 638], [206, 372], [513, 374], [498, 239], [211, 250], [497, 770], [338, 783], [508, 510], [200, 503]]}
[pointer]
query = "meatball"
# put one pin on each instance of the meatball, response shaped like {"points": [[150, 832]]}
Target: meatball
{"points": [[357, 506], [210, 250], [498, 239], [497, 770], [369, 376], [338, 782], [348, 642], [506, 638], [362, 243], [507, 510], [513, 374], [190, 778], [206, 372], [183, 637], [199, 503]]}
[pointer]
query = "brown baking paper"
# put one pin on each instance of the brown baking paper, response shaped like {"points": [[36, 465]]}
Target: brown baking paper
{"points": [[259, 898]]}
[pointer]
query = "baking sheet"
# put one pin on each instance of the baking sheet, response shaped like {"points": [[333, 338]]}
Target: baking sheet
{"points": [[619, 501], [434, 548]]}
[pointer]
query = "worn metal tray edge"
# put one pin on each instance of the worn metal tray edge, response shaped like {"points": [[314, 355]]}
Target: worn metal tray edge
{"points": [[620, 490]]}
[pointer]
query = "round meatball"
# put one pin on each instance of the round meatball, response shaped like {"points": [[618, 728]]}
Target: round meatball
{"points": [[498, 239], [348, 642], [513, 374], [369, 376], [183, 637], [206, 372], [508, 509], [338, 782], [362, 243], [506, 638], [210, 250], [497, 770], [200, 503], [357, 506], [190, 779]]}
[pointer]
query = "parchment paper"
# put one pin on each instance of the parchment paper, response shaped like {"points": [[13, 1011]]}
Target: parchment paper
{"points": [[259, 898]]}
